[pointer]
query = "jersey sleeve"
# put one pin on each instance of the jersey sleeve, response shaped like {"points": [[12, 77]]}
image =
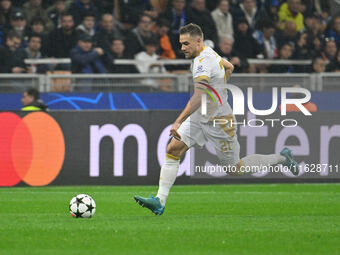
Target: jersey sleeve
{"points": [[201, 69]]}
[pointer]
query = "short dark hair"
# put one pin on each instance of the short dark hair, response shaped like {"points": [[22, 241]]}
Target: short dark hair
{"points": [[13, 34], [37, 20], [117, 39], [163, 23], [33, 93], [192, 29], [66, 14], [88, 14], [152, 41], [34, 35], [267, 24], [144, 15]]}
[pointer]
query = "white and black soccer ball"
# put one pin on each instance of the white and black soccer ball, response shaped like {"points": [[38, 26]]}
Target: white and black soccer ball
{"points": [[82, 206]]}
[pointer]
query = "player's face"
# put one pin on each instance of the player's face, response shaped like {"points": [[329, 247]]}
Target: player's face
{"points": [[189, 45]]}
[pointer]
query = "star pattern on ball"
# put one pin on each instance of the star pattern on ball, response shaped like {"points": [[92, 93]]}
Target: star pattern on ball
{"points": [[90, 208], [78, 214]]}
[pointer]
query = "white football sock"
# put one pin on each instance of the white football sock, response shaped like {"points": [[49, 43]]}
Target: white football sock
{"points": [[262, 160], [167, 177]]}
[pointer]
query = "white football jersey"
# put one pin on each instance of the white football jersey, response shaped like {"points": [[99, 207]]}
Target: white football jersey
{"points": [[208, 66]]}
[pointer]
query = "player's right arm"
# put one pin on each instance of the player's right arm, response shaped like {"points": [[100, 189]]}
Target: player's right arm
{"points": [[193, 104], [201, 72]]}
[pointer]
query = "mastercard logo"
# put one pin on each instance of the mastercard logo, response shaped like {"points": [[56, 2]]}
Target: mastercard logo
{"points": [[32, 149]]}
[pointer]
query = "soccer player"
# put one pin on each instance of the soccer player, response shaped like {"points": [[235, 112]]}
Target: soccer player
{"points": [[192, 127]]}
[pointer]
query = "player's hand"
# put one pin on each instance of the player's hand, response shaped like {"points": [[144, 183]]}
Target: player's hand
{"points": [[173, 131]]}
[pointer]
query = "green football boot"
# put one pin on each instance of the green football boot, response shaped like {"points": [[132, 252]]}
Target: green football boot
{"points": [[290, 161], [152, 203]]}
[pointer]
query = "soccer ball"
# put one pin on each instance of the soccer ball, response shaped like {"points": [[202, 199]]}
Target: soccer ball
{"points": [[82, 206]]}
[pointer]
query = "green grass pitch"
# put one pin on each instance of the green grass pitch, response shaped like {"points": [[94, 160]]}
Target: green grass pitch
{"points": [[217, 219]]}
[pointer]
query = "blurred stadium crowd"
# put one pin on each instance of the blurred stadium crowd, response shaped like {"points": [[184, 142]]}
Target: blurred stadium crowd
{"points": [[95, 33]]}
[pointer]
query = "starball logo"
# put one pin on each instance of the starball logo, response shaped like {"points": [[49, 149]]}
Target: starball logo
{"points": [[32, 149], [239, 105]]}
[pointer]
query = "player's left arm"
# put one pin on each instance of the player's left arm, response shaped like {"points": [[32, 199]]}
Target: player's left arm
{"points": [[228, 67]]}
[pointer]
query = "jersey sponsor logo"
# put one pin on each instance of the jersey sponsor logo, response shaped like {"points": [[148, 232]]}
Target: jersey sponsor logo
{"points": [[32, 149]]}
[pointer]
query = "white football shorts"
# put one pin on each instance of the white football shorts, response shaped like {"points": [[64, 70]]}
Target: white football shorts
{"points": [[221, 135]]}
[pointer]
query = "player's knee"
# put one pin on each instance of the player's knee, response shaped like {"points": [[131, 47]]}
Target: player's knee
{"points": [[176, 148]]}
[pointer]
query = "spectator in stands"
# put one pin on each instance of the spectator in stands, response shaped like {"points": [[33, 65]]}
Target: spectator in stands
{"points": [[290, 11], [87, 25], [307, 7], [334, 32], [18, 24], [247, 9], [56, 11], [63, 39], [322, 8], [301, 51], [301, 48], [79, 7], [146, 64], [178, 15], [223, 19], [318, 65], [202, 17], [33, 9], [334, 66], [162, 27], [146, 59], [245, 43], [315, 46], [32, 51], [38, 28], [118, 49], [285, 53], [106, 32], [11, 59], [118, 52], [265, 38], [314, 34], [86, 59], [313, 24], [32, 102], [128, 11], [225, 50], [6, 10], [136, 39], [288, 35], [330, 49], [269, 11]]}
